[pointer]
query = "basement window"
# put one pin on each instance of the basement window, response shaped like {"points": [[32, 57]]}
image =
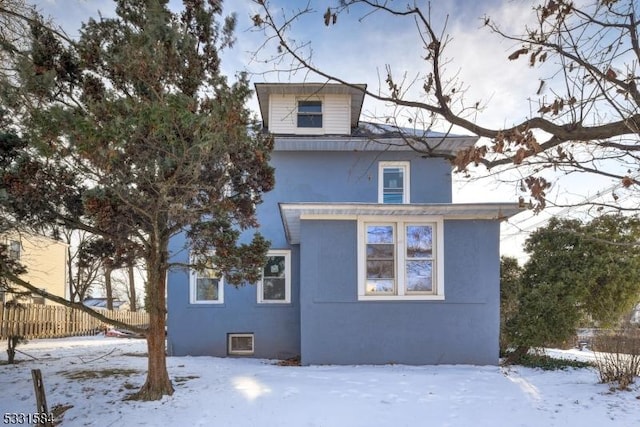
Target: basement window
{"points": [[240, 344]]}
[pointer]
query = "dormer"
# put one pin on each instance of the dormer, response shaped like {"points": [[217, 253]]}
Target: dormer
{"points": [[310, 108]]}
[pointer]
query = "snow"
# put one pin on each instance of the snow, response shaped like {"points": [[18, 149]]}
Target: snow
{"points": [[252, 392]]}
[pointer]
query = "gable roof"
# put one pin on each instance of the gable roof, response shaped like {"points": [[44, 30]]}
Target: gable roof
{"points": [[263, 90]]}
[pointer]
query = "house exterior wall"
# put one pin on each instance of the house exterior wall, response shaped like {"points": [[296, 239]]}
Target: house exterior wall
{"points": [[46, 263], [201, 329], [283, 111], [344, 176], [300, 177], [336, 328], [348, 176]]}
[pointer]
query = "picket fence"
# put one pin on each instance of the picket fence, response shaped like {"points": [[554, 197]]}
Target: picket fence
{"points": [[48, 321]]}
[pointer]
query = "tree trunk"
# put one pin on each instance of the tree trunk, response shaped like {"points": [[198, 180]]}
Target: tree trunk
{"points": [[108, 288], [12, 342], [132, 289], [70, 272], [158, 383]]}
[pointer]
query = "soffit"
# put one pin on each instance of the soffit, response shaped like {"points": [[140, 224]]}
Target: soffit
{"points": [[432, 146], [293, 213]]}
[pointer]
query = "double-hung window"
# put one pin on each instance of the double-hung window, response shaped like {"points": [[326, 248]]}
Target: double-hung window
{"points": [[393, 182], [206, 286], [380, 259], [400, 259], [275, 286], [309, 114]]}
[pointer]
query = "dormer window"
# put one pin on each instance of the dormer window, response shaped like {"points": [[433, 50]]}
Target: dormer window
{"points": [[310, 114], [393, 182]]}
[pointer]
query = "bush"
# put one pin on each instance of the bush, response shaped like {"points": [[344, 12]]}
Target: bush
{"points": [[618, 356], [549, 363]]}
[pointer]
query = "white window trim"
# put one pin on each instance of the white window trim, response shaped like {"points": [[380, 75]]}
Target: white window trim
{"points": [[193, 280], [287, 276], [406, 184], [399, 223], [232, 352]]}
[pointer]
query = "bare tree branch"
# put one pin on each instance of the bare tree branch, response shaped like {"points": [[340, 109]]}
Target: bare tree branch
{"points": [[595, 104]]}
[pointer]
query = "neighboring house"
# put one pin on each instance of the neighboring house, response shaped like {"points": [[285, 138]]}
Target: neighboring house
{"points": [[46, 263], [102, 303], [371, 263]]}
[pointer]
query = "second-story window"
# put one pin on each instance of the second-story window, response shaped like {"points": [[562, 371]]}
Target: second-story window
{"points": [[310, 114], [393, 182]]}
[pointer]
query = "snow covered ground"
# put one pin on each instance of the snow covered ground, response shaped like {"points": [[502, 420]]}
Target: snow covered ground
{"points": [[248, 392]]}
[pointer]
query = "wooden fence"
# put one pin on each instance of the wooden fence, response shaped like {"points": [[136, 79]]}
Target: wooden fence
{"points": [[48, 321]]}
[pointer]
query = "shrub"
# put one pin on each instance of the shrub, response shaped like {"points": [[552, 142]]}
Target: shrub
{"points": [[549, 363], [618, 356]]}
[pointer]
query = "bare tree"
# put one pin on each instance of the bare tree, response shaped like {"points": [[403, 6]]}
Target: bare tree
{"points": [[586, 114], [13, 31], [122, 287], [83, 270], [131, 289]]}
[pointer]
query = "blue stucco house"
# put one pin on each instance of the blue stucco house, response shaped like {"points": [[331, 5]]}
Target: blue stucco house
{"points": [[371, 262]]}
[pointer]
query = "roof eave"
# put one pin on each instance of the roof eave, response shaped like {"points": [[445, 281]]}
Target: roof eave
{"points": [[437, 146], [293, 213]]}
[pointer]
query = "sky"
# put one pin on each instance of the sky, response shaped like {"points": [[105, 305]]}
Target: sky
{"points": [[91, 376], [360, 46]]}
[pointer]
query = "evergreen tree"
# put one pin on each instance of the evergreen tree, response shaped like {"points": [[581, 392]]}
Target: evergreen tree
{"points": [[133, 134], [575, 271], [510, 289]]}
